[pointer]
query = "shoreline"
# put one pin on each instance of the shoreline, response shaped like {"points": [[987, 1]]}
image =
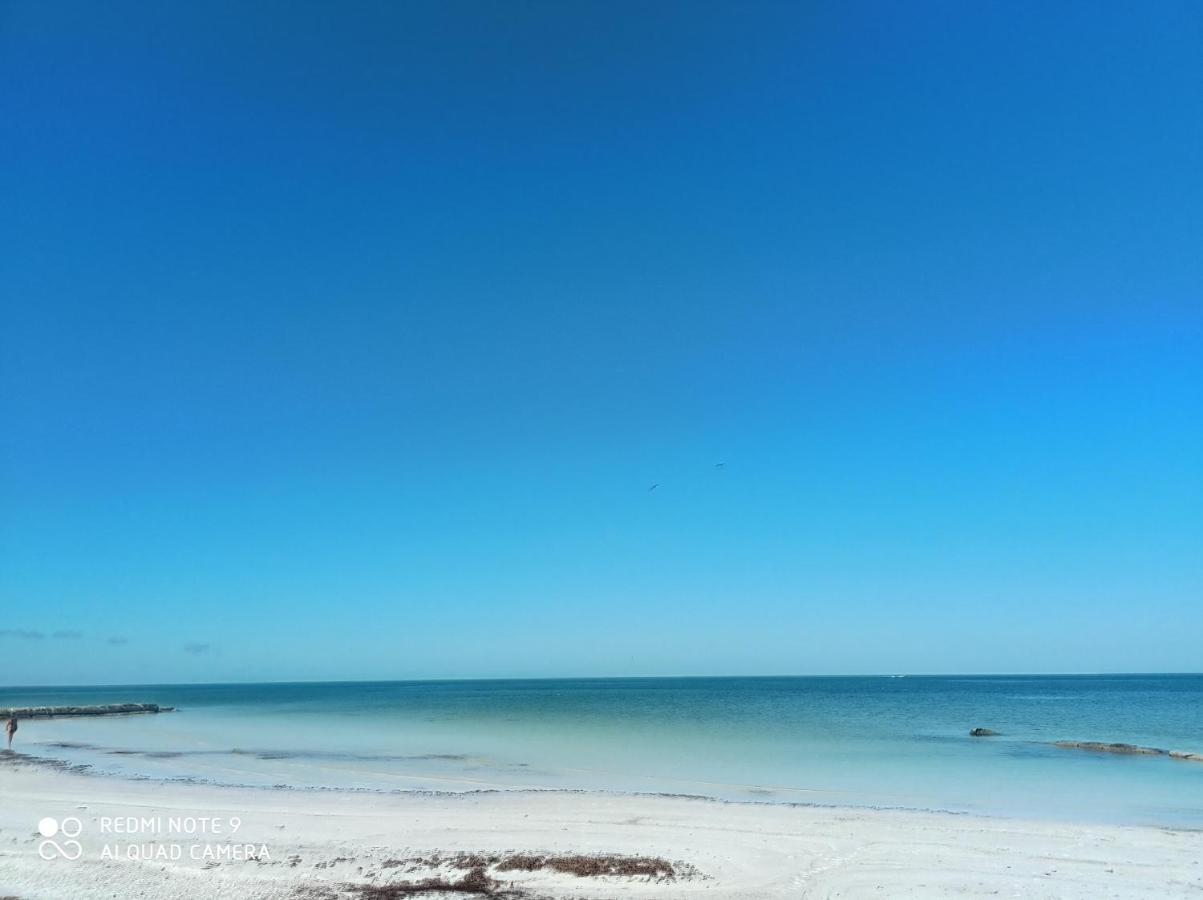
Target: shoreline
{"points": [[335, 844], [85, 770], [12, 760]]}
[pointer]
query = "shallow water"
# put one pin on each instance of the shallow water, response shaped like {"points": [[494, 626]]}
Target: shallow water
{"points": [[899, 742]]}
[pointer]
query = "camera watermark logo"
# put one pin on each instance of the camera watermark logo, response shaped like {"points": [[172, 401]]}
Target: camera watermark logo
{"points": [[50, 828], [210, 839]]}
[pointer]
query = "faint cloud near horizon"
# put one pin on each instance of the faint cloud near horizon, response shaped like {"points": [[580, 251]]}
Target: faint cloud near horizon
{"points": [[28, 634], [117, 640], [196, 648]]}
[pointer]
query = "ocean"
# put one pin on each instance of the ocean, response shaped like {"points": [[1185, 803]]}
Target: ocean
{"points": [[875, 741]]}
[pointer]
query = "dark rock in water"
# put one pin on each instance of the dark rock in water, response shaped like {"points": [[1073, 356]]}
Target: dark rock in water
{"points": [[982, 732], [1100, 747], [1183, 754], [109, 709]]}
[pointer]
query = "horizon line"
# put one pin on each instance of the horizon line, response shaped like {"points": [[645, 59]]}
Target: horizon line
{"points": [[457, 678]]}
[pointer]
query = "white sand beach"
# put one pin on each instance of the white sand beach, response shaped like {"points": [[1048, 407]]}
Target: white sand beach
{"points": [[332, 844]]}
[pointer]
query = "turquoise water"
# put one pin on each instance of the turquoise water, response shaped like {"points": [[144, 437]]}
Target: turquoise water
{"points": [[896, 742]]}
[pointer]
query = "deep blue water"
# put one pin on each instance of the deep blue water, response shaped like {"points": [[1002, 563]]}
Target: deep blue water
{"points": [[862, 741]]}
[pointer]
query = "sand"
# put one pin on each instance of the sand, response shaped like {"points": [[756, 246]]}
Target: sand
{"points": [[311, 844]]}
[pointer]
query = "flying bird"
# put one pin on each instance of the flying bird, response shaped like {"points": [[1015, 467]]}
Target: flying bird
{"points": [[720, 465], [653, 487]]}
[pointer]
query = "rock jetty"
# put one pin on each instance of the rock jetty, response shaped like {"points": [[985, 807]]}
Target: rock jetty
{"points": [[109, 709]]}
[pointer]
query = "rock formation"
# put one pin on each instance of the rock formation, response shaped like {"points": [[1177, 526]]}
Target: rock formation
{"points": [[1183, 754], [1100, 747]]}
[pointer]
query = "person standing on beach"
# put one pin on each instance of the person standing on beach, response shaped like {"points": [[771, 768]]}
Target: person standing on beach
{"points": [[10, 728]]}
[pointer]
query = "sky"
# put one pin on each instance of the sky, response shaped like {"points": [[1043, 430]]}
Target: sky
{"points": [[347, 341]]}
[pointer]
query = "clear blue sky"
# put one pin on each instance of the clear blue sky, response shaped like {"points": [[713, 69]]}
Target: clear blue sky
{"points": [[345, 340]]}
